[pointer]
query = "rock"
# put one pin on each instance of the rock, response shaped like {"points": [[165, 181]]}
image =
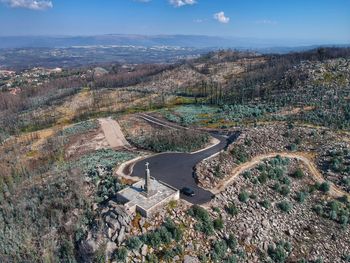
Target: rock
{"points": [[190, 259], [144, 250], [110, 233], [266, 245], [112, 222], [110, 248], [265, 223], [121, 235]]}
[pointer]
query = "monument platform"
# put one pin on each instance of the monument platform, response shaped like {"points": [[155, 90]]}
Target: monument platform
{"points": [[137, 199]]}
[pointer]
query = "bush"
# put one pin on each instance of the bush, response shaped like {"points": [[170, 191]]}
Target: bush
{"points": [[231, 259], [232, 209], [285, 206], [247, 174], [243, 196], [301, 196], [299, 174], [279, 253], [266, 203], [231, 242], [121, 254], [285, 190], [153, 239], [218, 224], [205, 224], [263, 178], [171, 140], [133, 243], [293, 147], [285, 180], [277, 187], [216, 209], [318, 209], [239, 154], [220, 248], [199, 213], [344, 219], [325, 187], [333, 215], [165, 235]]}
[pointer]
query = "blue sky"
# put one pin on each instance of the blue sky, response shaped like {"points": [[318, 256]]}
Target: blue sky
{"points": [[318, 20]]}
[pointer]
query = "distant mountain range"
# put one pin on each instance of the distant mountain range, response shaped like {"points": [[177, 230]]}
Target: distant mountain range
{"points": [[194, 41]]}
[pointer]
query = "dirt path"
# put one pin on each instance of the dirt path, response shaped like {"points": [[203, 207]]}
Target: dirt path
{"points": [[304, 157], [113, 133]]}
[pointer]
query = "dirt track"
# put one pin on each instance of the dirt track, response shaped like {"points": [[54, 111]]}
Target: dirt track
{"points": [[334, 191], [113, 133]]}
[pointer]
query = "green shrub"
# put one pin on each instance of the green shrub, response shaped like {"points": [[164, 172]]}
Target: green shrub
{"points": [[243, 196], [285, 190], [152, 258], [231, 259], [277, 187], [239, 154], [344, 219], [66, 251], [279, 253], [285, 180], [171, 140], [218, 223], [318, 209], [232, 209], [153, 239], [80, 128], [165, 235], [216, 209], [301, 196], [266, 203], [133, 243], [199, 213], [247, 174], [285, 206], [175, 230], [263, 178], [346, 258], [299, 174], [325, 187], [254, 180], [231, 242], [220, 248], [121, 254], [253, 196], [206, 224], [293, 147], [333, 215]]}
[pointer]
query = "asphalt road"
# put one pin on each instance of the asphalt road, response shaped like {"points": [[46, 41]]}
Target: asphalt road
{"points": [[176, 169]]}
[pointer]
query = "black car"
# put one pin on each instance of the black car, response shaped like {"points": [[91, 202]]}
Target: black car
{"points": [[187, 191]]}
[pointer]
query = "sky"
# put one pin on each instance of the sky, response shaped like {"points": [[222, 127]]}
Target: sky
{"points": [[315, 20]]}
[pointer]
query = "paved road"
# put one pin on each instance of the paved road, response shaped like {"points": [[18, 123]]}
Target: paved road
{"points": [[176, 169]]}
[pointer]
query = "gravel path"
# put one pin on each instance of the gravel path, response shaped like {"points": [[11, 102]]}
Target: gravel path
{"points": [[113, 133]]}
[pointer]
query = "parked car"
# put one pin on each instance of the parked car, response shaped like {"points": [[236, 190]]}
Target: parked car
{"points": [[187, 191]]}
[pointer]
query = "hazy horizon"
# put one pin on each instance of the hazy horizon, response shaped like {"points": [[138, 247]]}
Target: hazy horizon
{"points": [[312, 21]]}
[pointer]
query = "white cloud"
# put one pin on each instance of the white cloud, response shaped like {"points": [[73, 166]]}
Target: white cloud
{"points": [[179, 3], [29, 4], [221, 17]]}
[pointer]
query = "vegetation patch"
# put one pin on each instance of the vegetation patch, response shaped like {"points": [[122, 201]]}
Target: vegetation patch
{"points": [[171, 140]]}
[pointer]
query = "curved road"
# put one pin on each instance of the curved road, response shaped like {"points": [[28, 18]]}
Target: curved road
{"points": [[176, 169]]}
